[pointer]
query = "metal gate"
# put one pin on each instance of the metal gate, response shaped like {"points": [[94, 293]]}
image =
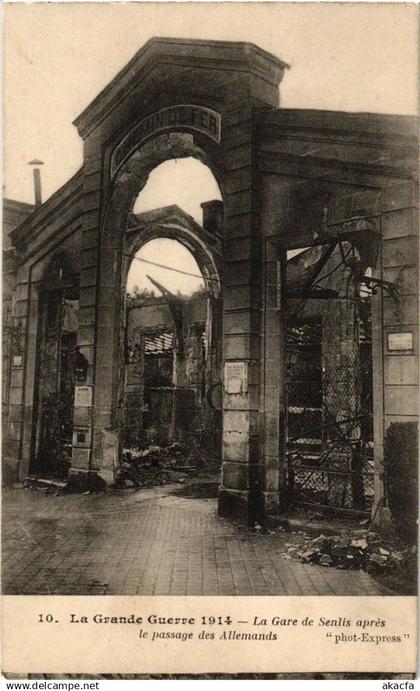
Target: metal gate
{"points": [[329, 431]]}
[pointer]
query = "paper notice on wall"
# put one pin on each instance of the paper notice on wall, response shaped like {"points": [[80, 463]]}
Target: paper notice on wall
{"points": [[83, 396], [236, 377], [400, 341]]}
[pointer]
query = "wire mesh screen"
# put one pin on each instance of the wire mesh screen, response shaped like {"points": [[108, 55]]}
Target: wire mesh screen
{"points": [[329, 410]]}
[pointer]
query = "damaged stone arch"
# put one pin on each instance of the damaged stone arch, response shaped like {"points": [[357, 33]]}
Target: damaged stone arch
{"points": [[209, 266], [125, 188], [193, 420], [132, 176]]}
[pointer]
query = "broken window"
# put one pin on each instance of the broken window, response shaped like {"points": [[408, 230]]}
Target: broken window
{"points": [[159, 359], [158, 344]]}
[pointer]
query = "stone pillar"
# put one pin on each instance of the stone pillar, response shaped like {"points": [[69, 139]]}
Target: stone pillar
{"points": [[15, 449], [240, 493], [83, 420], [273, 368], [397, 399]]}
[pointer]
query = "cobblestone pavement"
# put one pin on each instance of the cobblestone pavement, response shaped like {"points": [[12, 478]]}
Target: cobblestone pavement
{"points": [[151, 542]]}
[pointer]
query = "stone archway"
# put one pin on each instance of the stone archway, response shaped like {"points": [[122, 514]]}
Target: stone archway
{"points": [[127, 185], [186, 391], [126, 136]]}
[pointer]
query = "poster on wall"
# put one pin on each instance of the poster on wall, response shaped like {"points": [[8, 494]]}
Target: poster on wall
{"points": [[223, 193], [83, 396], [236, 377]]}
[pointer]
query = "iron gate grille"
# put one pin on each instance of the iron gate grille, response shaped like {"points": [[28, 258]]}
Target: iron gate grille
{"points": [[329, 446]]}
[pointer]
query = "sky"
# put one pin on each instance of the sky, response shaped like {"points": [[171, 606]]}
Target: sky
{"points": [[157, 251], [58, 57], [166, 186]]}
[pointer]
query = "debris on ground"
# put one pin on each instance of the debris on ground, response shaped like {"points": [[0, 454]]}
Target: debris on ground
{"points": [[156, 465], [368, 551]]}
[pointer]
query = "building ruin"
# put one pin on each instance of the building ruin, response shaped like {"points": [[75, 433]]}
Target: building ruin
{"points": [[290, 178]]}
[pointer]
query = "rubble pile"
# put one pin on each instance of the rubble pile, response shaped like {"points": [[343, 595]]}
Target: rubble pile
{"points": [[360, 549], [155, 465]]}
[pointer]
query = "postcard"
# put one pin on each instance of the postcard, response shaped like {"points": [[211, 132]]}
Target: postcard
{"points": [[210, 338]]}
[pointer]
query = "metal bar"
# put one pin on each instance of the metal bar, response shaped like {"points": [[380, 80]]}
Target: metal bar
{"points": [[327, 424], [330, 508], [330, 471], [170, 268]]}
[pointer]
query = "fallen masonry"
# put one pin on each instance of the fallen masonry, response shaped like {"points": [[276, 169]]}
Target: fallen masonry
{"points": [[359, 549], [157, 465]]}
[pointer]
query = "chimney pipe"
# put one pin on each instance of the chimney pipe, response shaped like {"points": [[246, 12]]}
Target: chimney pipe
{"points": [[37, 181], [213, 216]]}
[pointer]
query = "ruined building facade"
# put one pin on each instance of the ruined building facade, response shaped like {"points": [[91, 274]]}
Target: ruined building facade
{"points": [[289, 179], [174, 356]]}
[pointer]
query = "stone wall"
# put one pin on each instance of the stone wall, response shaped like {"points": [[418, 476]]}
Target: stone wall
{"points": [[53, 229], [289, 178], [181, 413]]}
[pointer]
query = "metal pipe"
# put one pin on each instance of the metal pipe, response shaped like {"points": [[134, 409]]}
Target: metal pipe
{"points": [[37, 181]]}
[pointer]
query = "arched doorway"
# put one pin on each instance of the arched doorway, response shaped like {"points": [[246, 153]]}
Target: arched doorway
{"points": [[123, 235], [206, 114], [172, 258], [172, 349]]}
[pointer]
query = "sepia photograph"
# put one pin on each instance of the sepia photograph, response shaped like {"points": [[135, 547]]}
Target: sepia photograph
{"points": [[210, 300], [210, 329]]}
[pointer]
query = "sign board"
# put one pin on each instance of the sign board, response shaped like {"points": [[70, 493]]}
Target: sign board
{"points": [[400, 341], [17, 360], [83, 396], [236, 377], [180, 117]]}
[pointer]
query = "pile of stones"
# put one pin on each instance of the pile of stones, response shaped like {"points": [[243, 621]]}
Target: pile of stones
{"points": [[358, 550]]}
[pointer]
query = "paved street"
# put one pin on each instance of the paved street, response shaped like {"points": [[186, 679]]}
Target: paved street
{"points": [[151, 542]]}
